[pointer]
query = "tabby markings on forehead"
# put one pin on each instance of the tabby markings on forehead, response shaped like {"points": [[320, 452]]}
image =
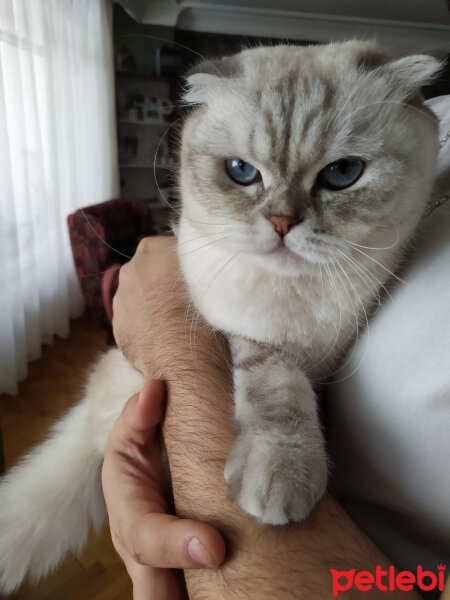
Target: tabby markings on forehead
{"points": [[270, 127], [288, 111], [328, 95], [251, 142], [278, 119]]}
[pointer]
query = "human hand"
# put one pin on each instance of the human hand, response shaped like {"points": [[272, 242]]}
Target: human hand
{"points": [[150, 298], [149, 540]]}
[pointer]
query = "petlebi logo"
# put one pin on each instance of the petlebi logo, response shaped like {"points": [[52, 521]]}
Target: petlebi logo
{"points": [[388, 580]]}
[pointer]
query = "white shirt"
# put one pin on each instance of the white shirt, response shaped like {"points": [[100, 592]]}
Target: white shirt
{"points": [[390, 420]]}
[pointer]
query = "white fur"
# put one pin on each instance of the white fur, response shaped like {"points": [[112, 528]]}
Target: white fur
{"points": [[49, 501]]}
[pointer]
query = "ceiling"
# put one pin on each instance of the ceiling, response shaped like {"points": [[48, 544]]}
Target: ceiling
{"points": [[414, 23], [421, 11]]}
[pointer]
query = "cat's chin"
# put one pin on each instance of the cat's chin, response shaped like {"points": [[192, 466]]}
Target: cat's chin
{"points": [[281, 260]]}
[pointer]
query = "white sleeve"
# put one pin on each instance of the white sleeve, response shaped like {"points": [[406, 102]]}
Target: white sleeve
{"points": [[389, 421]]}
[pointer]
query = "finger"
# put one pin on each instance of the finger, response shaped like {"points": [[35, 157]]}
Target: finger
{"points": [[164, 541], [150, 536], [140, 416], [149, 583], [133, 474]]}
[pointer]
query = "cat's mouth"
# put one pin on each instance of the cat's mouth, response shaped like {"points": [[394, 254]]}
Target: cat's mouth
{"points": [[311, 253], [293, 255], [284, 253]]}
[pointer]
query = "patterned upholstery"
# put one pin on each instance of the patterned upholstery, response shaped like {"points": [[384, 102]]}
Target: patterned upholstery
{"points": [[102, 235]]}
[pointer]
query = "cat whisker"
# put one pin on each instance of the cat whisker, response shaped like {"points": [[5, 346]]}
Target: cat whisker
{"points": [[357, 296], [182, 104], [380, 265], [205, 245], [205, 222], [99, 273], [155, 163], [195, 319], [308, 365], [327, 353], [370, 275], [100, 237], [221, 269], [147, 161], [355, 315], [228, 261], [322, 295], [354, 346], [352, 304], [363, 273], [186, 314], [160, 39], [377, 247], [199, 238]]}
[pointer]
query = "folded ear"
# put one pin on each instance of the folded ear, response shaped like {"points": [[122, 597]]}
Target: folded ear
{"points": [[405, 75], [208, 76], [412, 72]]}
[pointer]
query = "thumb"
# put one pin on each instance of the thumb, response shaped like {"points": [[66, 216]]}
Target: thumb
{"points": [[141, 415]]}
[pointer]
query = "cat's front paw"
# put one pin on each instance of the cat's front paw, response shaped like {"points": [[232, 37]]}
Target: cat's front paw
{"points": [[275, 477]]}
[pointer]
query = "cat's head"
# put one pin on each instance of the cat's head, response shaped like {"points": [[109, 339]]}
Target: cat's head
{"points": [[296, 153]]}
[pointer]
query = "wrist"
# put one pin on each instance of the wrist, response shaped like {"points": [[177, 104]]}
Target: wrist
{"points": [[182, 350]]}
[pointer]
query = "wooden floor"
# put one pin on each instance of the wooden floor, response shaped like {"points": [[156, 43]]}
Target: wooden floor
{"points": [[54, 384]]}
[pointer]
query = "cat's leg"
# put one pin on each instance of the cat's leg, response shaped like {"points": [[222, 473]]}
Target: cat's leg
{"points": [[277, 467], [49, 501]]}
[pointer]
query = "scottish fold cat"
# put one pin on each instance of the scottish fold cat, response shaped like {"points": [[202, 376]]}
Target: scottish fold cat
{"points": [[305, 172]]}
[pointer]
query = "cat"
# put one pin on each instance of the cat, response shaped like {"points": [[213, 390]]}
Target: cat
{"points": [[307, 170]]}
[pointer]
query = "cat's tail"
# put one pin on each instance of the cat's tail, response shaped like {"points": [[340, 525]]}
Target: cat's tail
{"points": [[49, 501]]}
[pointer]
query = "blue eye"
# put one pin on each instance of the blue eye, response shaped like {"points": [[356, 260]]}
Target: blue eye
{"points": [[341, 174], [242, 172]]}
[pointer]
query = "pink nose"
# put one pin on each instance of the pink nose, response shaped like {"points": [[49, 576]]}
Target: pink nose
{"points": [[283, 224]]}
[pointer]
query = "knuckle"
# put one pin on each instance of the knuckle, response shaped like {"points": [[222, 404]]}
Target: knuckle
{"points": [[135, 551], [145, 245], [158, 551], [124, 272]]}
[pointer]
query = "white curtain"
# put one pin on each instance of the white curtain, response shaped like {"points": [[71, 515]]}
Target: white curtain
{"points": [[58, 152]]}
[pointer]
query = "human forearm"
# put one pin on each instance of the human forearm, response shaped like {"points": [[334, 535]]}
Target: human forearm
{"points": [[288, 562]]}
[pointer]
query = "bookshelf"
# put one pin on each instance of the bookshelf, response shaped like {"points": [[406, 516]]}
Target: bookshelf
{"points": [[145, 112]]}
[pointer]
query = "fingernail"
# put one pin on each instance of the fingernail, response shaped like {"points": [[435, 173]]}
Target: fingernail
{"points": [[199, 553]]}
